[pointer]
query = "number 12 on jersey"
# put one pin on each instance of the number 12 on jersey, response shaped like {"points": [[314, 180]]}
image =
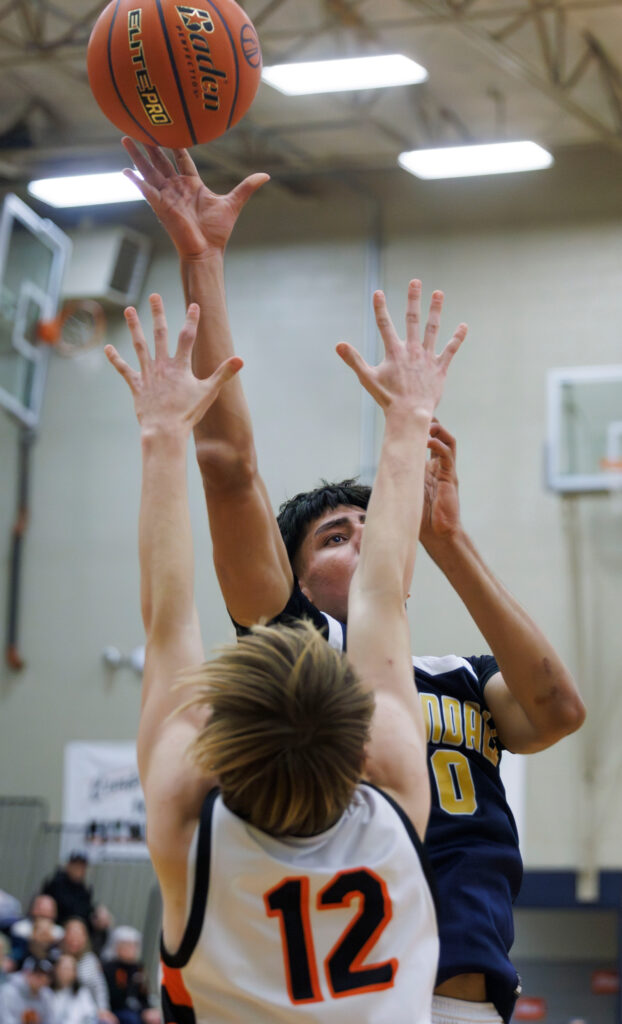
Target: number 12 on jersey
{"points": [[289, 902]]}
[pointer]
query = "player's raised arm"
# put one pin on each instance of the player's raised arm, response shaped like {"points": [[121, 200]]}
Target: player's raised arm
{"points": [[533, 698], [407, 385], [168, 401], [250, 558]]}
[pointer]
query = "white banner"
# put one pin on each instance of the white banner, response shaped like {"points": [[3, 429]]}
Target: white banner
{"points": [[103, 803]]}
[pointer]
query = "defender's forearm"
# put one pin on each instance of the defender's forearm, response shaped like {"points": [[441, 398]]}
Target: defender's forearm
{"points": [[165, 535], [388, 553]]}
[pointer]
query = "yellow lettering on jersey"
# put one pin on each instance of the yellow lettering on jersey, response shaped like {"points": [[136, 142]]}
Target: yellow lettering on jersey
{"points": [[452, 718], [472, 726], [489, 746], [454, 782], [432, 717]]}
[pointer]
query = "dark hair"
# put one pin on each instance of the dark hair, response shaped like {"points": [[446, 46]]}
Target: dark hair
{"points": [[298, 512], [78, 857]]}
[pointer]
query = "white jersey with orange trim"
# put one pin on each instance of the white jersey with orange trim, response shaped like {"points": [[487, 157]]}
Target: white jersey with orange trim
{"points": [[335, 927]]}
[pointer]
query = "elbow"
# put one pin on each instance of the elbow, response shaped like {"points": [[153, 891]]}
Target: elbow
{"points": [[225, 466], [574, 713], [569, 709], [567, 713]]}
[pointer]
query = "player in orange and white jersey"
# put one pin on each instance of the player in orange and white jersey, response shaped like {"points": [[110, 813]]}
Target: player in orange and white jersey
{"points": [[292, 889]]}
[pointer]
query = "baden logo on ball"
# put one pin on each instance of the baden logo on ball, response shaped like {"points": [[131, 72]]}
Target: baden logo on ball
{"points": [[173, 74]]}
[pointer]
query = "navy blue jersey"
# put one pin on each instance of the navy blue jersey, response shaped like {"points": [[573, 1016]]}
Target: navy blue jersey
{"points": [[471, 839]]}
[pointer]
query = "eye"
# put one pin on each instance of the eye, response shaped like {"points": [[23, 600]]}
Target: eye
{"points": [[335, 538]]}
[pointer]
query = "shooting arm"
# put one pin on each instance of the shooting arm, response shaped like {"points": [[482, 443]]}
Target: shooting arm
{"points": [[249, 555], [533, 699]]}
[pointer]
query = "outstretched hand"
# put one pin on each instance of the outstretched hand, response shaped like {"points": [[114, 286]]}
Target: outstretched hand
{"points": [[198, 220], [411, 373], [167, 395]]}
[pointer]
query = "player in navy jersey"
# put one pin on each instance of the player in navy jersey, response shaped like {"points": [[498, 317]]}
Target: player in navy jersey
{"points": [[524, 699], [292, 890]]}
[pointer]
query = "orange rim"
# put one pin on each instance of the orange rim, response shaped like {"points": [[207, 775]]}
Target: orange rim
{"points": [[55, 332]]}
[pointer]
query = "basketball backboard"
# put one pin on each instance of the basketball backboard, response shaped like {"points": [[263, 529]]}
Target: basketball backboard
{"points": [[33, 254], [584, 443]]}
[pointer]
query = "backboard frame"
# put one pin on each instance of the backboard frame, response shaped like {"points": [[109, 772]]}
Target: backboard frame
{"points": [[579, 482], [59, 245]]}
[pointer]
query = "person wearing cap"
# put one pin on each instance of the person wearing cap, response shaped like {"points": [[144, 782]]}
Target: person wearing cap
{"points": [[126, 978], [74, 898], [27, 996]]}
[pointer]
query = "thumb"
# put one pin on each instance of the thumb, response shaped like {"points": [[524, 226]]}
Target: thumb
{"points": [[213, 384], [223, 373], [242, 192], [353, 359], [119, 364]]}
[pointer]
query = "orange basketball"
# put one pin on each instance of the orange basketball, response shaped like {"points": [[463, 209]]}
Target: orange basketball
{"points": [[174, 74]]}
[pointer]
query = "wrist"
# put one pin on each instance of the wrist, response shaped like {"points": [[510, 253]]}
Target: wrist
{"points": [[164, 436], [210, 254], [405, 410], [449, 548]]}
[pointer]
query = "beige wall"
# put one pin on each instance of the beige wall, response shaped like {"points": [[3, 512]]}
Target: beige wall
{"points": [[537, 291]]}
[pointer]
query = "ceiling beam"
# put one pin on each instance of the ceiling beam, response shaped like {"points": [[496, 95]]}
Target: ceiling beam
{"points": [[513, 64]]}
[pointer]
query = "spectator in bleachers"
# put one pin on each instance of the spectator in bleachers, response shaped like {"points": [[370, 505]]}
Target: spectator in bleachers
{"points": [[127, 979], [73, 1003], [42, 909], [26, 996], [76, 941], [41, 944], [74, 898]]}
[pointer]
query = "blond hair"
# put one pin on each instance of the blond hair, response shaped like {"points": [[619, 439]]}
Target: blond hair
{"points": [[287, 730]]}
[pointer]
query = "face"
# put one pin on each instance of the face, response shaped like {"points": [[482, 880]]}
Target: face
{"points": [[328, 557], [44, 906], [76, 869], [65, 971], [127, 952], [76, 937], [38, 980], [42, 930]]}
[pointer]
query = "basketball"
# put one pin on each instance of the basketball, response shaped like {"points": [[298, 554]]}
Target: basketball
{"points": [[171, 74]]}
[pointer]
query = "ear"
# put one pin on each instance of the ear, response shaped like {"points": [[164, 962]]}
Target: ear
{"points": [[299, 571]]}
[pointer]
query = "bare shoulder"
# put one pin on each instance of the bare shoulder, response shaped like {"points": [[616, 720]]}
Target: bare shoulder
{"points": [[396, 760], [175, 789]]}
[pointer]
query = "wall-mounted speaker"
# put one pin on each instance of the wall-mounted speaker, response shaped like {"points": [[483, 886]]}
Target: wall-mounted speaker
{"points": [[107, 264]]}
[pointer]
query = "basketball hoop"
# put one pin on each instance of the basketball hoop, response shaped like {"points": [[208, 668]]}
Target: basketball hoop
{"points": [[611, 465], [79, 326]]}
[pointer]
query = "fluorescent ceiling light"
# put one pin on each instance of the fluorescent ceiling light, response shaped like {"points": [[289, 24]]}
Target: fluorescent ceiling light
{"points": [[85, 190], [468, 161], [344, 75]]}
